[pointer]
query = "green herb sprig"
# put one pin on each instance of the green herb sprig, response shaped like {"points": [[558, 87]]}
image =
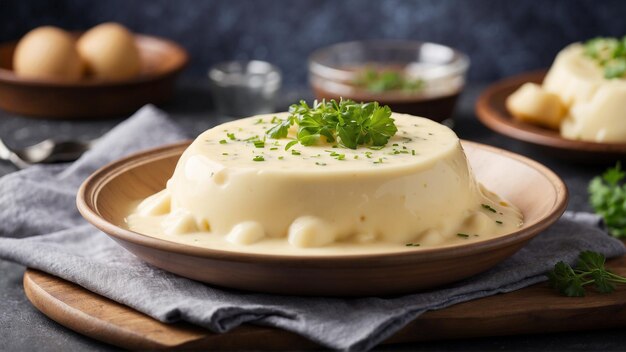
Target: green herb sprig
{"points": [[379, 81], [589, 270], [610, 54], [349, 123], [607, 196]]}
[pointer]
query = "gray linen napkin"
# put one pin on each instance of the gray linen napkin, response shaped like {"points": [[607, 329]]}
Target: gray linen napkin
{"points": [[41, 228]]}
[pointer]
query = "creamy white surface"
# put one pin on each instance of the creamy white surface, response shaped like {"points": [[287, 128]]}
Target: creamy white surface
{"points": [[313, 203], [596, 105]]}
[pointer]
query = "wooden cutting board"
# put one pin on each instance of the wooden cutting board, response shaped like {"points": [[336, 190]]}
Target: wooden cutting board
{"points": [[535, 309]]}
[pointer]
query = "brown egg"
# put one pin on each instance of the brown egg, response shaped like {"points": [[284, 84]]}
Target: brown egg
{"points": [[110, 52], [48, 53]]}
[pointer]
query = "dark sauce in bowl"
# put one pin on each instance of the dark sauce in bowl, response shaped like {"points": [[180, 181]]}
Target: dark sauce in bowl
{"points": [[426, 78]]}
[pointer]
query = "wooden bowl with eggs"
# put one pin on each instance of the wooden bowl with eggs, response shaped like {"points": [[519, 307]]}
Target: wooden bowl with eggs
{"points": [[55, 85]]}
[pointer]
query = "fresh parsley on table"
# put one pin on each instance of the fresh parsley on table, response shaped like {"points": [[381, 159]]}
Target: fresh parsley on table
{"points": [[589, 270], [349, 123], [610, 54], [607, 196]]}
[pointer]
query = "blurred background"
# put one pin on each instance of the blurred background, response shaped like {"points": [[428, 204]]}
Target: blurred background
{"points": [[501, 37]]}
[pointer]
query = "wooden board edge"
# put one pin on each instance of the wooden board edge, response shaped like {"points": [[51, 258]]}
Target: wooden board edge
{"points": [[160, 335], [524, 315]]}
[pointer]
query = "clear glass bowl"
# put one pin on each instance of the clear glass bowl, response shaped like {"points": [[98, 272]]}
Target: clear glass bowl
{"points": [[245, 88], [433, 75]]}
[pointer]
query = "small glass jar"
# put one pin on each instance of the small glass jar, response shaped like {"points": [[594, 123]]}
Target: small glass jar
{"points": [[245, 88], [434, 73]]}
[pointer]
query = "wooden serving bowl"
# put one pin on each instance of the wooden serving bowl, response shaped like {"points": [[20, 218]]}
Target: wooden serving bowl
{"points": [[492, 112], [161, 61], [109, 195]]}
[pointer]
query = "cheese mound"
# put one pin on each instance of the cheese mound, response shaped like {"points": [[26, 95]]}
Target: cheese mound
{"points": [[594, 108], [232, 189]]}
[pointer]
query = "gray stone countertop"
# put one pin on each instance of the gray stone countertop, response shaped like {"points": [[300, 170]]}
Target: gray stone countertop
{"points": [[23, 328]]}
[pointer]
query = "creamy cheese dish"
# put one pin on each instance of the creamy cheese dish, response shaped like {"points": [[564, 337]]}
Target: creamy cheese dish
{"points": [[233, 191], [576, 97]]}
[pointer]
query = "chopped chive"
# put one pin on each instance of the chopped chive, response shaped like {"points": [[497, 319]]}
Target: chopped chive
{"points": [[499, 222], [223, 141], [488, 207], [258, 158], [412, 244], [281, 157], [295, 152], [462, 235], [291, 144], [320, 164], [273, 148]]}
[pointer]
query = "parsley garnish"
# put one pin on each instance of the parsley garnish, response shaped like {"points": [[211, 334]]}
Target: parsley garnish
{"points": [[350, 123], [608, 53], [259, 143], [607, 196], [258, 158], [387, 80], [223, 141], [589, 270], [231, 136]]}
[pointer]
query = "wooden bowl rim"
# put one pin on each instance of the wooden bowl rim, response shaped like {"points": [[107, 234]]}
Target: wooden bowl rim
{"points": [[90, 188], [8, 76], [505, 124]]}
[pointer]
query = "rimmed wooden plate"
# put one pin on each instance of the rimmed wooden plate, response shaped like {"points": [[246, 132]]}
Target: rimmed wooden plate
{"points": [[161, 61], [108, 196], [492, 112]]}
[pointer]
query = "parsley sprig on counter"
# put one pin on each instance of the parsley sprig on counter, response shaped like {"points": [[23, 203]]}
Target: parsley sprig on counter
{"points": [[589, 270], [349, 123], [610, 54], [607, 196]]}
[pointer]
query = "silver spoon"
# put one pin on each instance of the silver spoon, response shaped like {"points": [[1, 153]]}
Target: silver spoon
{"points": [[47, 151]]}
